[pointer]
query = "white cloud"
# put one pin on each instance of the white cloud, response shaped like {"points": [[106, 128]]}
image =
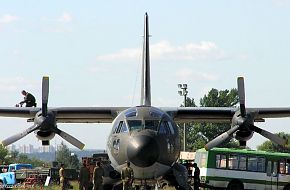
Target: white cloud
{"points": [[65, 17], [8, 18], [164, 50], [123, 54], [187, 74]]}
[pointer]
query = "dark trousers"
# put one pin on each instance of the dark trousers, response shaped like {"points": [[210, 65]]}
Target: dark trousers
{"points": [[84, 186], [196, 184]]}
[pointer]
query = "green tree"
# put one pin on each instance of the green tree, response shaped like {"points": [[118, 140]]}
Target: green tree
{"points": [[66, 157], [3, 154], [189, 103], [16, 157], [199, 134], [270, 146]]}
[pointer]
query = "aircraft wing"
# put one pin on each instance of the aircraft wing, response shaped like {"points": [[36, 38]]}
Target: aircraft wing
{"points": [[179, 114], [221, 114], [67, 114]]}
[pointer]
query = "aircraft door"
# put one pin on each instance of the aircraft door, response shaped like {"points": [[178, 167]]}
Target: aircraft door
{"points": [[272, 175]]}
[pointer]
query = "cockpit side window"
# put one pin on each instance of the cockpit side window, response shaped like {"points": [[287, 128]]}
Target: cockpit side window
{"points": [[118, 129], [164, 128], [170, 127], [124, 128], [151, 124], [135, 124]]}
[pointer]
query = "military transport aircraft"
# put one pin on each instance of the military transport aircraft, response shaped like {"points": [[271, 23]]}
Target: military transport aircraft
{"points": [[146, 136]]}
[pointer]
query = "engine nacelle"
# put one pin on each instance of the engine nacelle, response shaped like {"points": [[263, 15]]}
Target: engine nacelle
{"points": [[243, 135], [44, 135]]}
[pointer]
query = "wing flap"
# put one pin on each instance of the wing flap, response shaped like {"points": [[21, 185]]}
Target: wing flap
{"points": [[68, 114], [201, 114], [22, 112], [221, 114]]}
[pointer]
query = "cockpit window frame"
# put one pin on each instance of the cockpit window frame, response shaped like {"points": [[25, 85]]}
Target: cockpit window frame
{"points": [[156, 114], [131, 113]]}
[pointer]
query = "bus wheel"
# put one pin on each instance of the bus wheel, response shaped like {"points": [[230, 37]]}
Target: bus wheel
{"points": [[235, 185]]}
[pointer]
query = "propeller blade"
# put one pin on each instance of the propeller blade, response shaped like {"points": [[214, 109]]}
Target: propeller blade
{"points": [[221, 138], [72, 140], [241, 92], [18, 136], [45, 91], [272, 137]]}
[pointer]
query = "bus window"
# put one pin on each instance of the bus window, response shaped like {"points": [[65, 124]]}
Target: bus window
{"points": [[243, 162], [203, 160], [282, 167], [252, 164], [261, 164], [221, 161], [288, 166], [233, 162]]}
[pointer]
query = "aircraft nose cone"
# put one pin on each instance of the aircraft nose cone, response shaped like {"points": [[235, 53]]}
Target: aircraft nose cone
{"points": [[143, 151]]}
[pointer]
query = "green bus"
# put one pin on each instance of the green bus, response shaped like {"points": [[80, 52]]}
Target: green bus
{"points": [[240, 169]]}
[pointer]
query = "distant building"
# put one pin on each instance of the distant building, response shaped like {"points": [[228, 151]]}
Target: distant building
{"points": [[11, 148], [26, 149], [49, 148]]}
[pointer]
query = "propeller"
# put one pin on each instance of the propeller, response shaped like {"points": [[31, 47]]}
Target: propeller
{"points": [[45, 91], [243, 123], [18, 136], [44, 121]]}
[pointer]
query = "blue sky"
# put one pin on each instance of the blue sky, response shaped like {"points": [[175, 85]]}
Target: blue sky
{"points": [[91, 50]]}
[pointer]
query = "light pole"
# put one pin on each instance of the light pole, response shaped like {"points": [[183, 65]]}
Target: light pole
{"points": [[183, 92]]}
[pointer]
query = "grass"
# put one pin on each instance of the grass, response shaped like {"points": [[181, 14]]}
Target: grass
{"points": [[74, 184]]}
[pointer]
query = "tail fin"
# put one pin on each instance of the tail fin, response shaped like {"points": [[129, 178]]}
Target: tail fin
{"points": [[145, 87]]}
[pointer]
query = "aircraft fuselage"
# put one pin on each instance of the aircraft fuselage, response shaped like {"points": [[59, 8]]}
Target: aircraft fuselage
{"points": [[148, 138]]}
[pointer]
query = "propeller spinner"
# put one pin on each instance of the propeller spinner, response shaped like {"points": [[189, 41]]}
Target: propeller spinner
{"points": [[243, 123], [44, 123]]}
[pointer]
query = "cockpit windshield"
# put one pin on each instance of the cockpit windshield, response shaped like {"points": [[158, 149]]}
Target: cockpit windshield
{"points": [[147, 124], [135, 124], [152, 124]]}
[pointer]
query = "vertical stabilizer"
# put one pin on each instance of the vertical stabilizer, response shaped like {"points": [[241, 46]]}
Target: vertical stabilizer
{"points": [[145, 86]]}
